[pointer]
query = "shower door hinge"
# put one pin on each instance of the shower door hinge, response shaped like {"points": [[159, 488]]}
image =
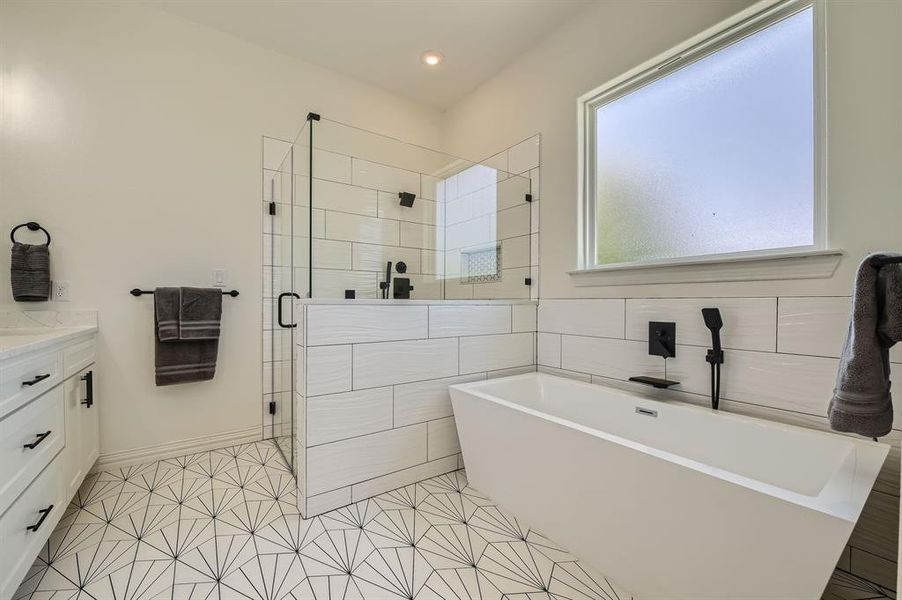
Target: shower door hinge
{"points": [[272, 208], [529, 197], [528, 281], [272, 407]]}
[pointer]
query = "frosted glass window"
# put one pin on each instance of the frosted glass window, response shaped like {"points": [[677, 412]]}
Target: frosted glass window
{"points": [[715, 157]]}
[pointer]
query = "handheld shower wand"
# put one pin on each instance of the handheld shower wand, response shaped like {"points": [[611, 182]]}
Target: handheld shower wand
{"points": [[714, 322], [385, 286]]}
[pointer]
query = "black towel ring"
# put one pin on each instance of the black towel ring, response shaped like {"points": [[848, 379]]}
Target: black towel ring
{"points": [[32, 226]]}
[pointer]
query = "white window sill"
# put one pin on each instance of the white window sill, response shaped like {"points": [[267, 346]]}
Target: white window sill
{"points": [[805, 264]]}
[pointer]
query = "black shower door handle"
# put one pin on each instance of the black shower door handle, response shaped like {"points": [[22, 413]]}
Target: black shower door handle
{"points": [[279, 301]]}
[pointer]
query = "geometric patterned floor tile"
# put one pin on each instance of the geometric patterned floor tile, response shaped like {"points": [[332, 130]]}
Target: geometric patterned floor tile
{"points": [[224, 525]]}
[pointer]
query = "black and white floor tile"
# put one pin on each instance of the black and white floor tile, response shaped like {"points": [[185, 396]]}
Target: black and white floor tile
{"points": [[223, 525]]}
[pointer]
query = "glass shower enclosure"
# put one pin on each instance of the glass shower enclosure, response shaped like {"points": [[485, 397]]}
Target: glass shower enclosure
{"points": [[352, 214]]}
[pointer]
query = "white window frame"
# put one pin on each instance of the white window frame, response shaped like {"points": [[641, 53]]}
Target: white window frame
{"points": [[753, 264]]}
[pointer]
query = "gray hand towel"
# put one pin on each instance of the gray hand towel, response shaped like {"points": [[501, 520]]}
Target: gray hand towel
{"points": [[862, 402], [30, 272], [200, 311], [178, 360]]}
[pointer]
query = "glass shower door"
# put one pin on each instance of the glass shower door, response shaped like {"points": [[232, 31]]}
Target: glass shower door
{"points": [[285, 281]]}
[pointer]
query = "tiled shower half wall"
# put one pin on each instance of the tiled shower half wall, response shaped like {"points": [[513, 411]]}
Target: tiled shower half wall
{"points": [[471, 233]]}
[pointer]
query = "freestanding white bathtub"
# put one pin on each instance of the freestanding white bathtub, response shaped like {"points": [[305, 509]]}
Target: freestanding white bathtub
{"points": [[669, 500]]}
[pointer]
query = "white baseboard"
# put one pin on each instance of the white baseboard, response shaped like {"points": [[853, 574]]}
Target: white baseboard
{"points": [[114, 460]]}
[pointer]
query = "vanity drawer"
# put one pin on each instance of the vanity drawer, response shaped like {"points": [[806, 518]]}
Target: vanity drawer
{"points": [[77, 356], [29, 439], [27, 524], [27, 377]]}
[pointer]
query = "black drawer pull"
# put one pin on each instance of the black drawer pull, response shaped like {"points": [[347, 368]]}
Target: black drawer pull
{"points": [[40, 438], [88, 378], [44, 512], [37, 379]]}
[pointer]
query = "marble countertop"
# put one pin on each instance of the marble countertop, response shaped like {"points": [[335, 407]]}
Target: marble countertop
{"points": [[15, 341]]}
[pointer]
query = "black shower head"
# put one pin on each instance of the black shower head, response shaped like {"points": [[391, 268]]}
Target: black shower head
{"points": [[407, 198], [712, 318], [714, 322]]}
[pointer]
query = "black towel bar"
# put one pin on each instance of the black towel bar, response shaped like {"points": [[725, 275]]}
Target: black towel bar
{"points": [[139, 292]]}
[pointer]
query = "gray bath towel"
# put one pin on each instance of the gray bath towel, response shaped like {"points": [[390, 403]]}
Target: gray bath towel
{"points": [[862, 402], [200, 311], [30, 272], [177, 359]]}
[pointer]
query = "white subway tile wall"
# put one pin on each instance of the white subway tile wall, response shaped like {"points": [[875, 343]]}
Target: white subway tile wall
{"points": [[780, 364], [374, 408]]}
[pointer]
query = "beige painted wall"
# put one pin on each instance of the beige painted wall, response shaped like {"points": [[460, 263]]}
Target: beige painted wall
{"points": [[135, 137], [538, 94]]}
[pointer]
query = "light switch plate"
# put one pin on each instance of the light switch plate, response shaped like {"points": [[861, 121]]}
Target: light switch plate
{"points": [[219, 277], [60, 290]]}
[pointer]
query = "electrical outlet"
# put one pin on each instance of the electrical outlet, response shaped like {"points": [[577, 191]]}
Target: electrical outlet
{"points": [[219, 277], [60, 292]]}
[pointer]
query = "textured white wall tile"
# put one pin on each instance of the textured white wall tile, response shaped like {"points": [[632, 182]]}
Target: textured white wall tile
{"points": [[329, 254], [512, 192], [584, 377], [523, 317], [338, 324], [442, 438], [458, 320], [524, 156], [393, 481], [326, 165], [341, 416], [815, 326], [426, 400], [328, 369], [511, 287], [549, 349], [877, 529], [492, 352], [330, 283], [422, 211], [425, 287], [510, 372], [514, 222], [333, 196], [384, 178], [415, 235], [602, 318], [387, 363], [317, 505], [475, 232], [357, 228], [370, 257], [515, 252], [339, 464], [618, 359], [430, 263], [749, 323]]}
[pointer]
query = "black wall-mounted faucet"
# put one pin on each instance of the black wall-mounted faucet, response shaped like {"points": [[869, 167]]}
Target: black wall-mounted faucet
{"points": [[714, 322]]}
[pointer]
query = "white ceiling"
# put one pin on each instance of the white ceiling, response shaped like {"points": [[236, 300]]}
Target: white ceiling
{"points": [[380, 41]]}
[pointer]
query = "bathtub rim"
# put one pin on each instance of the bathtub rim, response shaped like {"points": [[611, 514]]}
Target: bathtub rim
{"points": [[829, 500]]}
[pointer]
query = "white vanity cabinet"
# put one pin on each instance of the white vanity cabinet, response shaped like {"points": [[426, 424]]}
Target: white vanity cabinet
{"points": [[48, 440]]}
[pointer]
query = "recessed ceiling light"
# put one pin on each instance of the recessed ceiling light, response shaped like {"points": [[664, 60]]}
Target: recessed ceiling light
{"points": [[432, 58]]}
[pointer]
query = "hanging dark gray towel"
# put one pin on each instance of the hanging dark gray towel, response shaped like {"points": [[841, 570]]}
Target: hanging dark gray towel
{"points": [[183, 359], [862, 402], [30, 272]]}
